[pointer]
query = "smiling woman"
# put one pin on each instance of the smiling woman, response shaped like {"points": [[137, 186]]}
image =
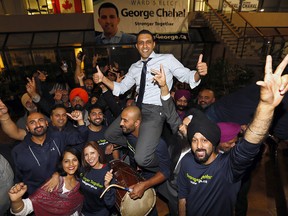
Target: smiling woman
{"points": [[95, 177], [66, 195]]}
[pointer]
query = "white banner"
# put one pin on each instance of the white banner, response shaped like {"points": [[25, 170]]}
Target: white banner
{"points": [[162, 17], [234, 3], [250, 5], [247, 5]]}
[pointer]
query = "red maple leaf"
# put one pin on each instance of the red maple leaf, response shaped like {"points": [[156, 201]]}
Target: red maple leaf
{"points": [[68, 5]]}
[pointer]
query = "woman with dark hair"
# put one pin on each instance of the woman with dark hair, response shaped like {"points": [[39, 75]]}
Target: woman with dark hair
{"points": [[95, 177], [64, 200]]}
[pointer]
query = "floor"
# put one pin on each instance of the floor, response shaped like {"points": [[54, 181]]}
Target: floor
{"points": [[268, 195]]}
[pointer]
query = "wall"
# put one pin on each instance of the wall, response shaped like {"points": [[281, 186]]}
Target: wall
{"points": [[266, 19]]}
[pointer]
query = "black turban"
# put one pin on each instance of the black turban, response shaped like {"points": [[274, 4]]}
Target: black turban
{"points": [[206, 127]]}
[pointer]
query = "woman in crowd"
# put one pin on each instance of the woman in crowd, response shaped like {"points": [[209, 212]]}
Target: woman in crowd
{"points": [[64, 200], [95, 177]]}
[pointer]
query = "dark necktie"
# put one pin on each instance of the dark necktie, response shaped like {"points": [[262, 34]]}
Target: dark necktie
{"points": [[142, 83]]}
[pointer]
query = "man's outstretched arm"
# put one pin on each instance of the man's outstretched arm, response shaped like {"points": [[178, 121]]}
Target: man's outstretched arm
{"points": [[8, 126], [98, 77], [272, 90]]}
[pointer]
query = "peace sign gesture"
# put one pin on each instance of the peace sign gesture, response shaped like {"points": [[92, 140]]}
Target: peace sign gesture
{"points": [[274, 85]]}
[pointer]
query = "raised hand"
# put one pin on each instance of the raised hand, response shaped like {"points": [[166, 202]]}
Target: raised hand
{"points": [[80, 78], [95, 60], [159, 76], [76, 115], [80, 57], [108, 177], [31, 87], [98, 76], [201, 66], [184, 125], [119, 78], [109, 149], [274, 85], [106, 68], [42, 76], [3, 110], [17, 191], [116, 67], [160, 79]]}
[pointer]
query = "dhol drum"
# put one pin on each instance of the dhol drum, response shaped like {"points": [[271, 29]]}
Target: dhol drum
{"points": [[127, 176]]}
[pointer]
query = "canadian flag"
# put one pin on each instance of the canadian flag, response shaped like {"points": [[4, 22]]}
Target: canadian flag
{"points": [[67, 6]]}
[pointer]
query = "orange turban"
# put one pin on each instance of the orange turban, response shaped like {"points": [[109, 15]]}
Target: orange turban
{"points": [[80, 92]]}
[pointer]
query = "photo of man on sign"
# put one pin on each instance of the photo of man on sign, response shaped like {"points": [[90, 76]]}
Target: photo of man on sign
{"points": [[117, 22]]}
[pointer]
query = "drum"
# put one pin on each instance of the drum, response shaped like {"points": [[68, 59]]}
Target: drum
{"points": [[127, 176]]}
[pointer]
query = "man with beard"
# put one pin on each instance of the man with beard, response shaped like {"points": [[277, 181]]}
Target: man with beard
{"points": [[130, 124], [205, 98], [208, 182], [182, 98], [78, 99], [35, 158], [29, 106], [89, 85], [96, 132]]}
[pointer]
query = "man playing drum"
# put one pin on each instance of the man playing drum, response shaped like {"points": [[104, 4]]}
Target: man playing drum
{"points": [[130, 123]]}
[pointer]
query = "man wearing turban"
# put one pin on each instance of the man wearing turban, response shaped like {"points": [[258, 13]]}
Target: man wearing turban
{"points": [[78, 98], [229, 135], [182, 98], [208, 182]]}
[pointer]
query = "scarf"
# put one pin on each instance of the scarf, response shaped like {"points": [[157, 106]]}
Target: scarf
{"points": [[56, 203]]}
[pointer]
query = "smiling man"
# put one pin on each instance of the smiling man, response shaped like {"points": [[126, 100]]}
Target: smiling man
{"points": [[109, 19], [97, 129], [206, 97], [208, 182], [151, 107], [36, 156]]}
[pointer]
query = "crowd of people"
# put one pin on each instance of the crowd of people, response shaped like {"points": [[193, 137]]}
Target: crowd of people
{"points": [[192, 150]]}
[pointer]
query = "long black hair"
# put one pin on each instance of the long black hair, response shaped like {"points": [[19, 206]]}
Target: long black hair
{"points": [[73, 151]]}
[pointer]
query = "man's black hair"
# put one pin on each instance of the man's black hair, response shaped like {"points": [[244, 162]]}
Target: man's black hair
{"points": [[145, 31], [57, 106], [94, 106], [108, 5]]}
